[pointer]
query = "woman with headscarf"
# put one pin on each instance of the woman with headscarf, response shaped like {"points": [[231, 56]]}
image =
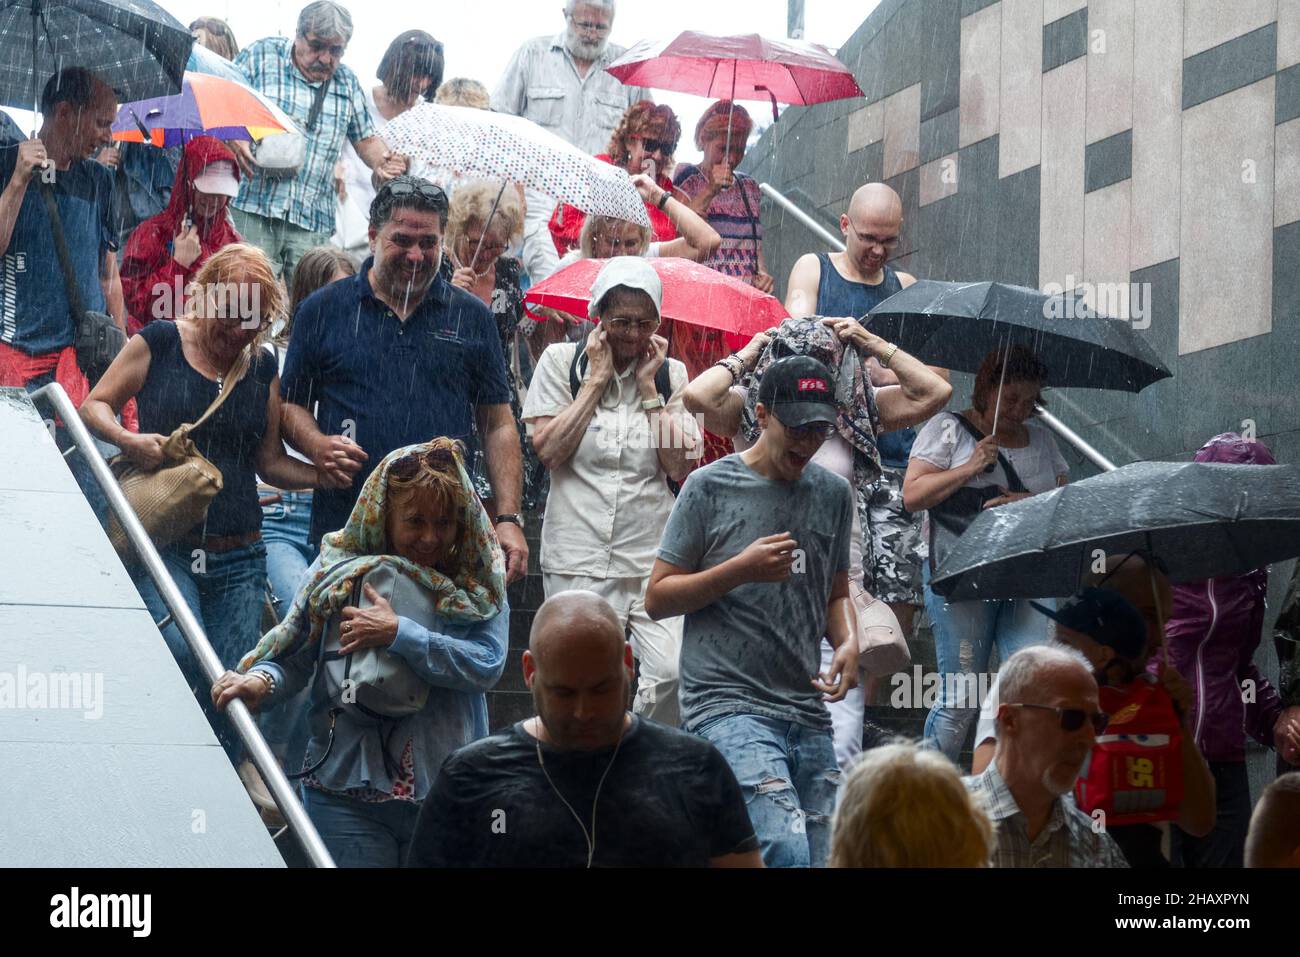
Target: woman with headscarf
{"points": [[726, 396], [166, 251], [367, 771], [643, 142], [729, 200]]}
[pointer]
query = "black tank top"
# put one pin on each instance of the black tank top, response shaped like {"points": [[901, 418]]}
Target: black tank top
{"points": [[175, 393]]}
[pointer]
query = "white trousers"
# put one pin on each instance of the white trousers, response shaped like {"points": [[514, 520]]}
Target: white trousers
{"points": [[656, 644]]}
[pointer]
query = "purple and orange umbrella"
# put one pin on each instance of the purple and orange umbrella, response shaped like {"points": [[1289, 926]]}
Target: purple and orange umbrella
{"points": [[207, 105]]}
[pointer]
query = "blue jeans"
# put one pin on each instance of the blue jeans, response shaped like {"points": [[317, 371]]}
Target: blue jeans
{"points": [[789, 777], [285, 527], [964, 635], [362, 833], [226, 596]]}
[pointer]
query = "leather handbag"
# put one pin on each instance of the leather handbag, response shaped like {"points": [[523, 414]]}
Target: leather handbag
{"points": [[882, 646], [950, 518], [96, 336], [172, 499], [374, 682]]}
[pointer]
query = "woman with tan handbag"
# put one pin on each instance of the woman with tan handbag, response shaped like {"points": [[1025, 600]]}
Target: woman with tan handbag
{"points": [[209, 403]]}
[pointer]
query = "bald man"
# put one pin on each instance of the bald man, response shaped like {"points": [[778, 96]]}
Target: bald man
{"points": [[851, 283], [1274, 836], [585, 783]]}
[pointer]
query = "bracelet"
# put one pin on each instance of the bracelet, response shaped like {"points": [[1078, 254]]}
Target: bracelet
{"points": [[884, 363], [736, 370], [663, 200], [265, 676]]}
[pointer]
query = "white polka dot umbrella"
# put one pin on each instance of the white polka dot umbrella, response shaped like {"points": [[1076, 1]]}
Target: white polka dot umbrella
{"points": [[459, 139]]}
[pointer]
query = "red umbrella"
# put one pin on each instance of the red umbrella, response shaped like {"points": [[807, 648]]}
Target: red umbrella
{"points": [[746, 67], [693, 294]]}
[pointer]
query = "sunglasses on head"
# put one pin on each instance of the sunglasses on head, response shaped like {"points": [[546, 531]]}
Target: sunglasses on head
{"points": [[1072, 719], [409, 466], [408, 187]]}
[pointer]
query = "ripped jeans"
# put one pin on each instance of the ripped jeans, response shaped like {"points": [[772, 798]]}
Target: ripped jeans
{"points": [[789, 777]]}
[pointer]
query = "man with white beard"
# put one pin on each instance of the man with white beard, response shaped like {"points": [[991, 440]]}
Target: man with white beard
{"points": [[560, 83], [1048, 720]]}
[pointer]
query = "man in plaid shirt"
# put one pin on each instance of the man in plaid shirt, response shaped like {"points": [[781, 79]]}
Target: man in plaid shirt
{"points": [[287, 216], [1047, 723]]}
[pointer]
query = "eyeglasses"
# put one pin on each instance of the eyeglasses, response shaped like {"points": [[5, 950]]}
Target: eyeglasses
{"points": [[488, 251], [813, 430], [335, 50], [590, 26], [1072, 719], [662, 147], [620, 324], [887, 242]]}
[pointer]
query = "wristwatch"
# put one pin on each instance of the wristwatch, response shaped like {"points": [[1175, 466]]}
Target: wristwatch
{"points": [[514, 518], [651, 404]]}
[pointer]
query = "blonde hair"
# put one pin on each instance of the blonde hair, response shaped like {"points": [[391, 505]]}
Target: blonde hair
{"points": [[234, 278], [472, 203], [462, 91], [905, 806], [594, 226], [433, 473]]}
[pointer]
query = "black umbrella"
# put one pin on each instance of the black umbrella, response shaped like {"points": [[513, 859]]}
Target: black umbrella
{"points": [[134, 46], [955, 325], [1202, 520]]}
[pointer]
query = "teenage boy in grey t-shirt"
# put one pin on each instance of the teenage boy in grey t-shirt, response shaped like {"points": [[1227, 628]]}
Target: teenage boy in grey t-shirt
{"points": [[756, 556]]}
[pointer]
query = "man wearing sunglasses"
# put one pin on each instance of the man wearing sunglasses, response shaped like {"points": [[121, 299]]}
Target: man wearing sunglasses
{"points": [[1048, 720], [287, 213], [756, 556]]}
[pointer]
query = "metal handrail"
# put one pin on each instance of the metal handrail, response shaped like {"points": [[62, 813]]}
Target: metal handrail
{"points": [[260, 752], [1052, 422]]}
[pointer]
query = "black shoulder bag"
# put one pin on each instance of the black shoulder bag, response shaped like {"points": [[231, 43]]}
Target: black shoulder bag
{"points": [[950, 518], [578, 368], [97, 338]]}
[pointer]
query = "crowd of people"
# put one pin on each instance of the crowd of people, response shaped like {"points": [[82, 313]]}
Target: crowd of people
{"points": [[718, 528]]}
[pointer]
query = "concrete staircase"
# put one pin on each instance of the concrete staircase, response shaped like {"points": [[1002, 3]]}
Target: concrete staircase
{"points": [[108, 760]]}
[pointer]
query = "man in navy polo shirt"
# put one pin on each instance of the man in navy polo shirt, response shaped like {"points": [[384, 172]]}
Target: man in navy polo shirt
{"points": [[396, 355]]}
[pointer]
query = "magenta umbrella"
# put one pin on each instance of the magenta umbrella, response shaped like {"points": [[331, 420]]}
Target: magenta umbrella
{"points": [[746, 67]]}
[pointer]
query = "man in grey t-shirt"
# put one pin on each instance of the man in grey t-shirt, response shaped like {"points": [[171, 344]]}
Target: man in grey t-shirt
{"points": [[756, 556]]}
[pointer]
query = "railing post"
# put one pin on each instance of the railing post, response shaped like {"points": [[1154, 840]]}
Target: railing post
{"points": [[258, 750]]}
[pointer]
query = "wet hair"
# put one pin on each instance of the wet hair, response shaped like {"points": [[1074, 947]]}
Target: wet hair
{"points": [[326, 19], [473, 204], [594, 226], [413, 53], [237, 266], [1023, 365], [315, 269], [740, 120], [434, 473], [571, 5], [1024, 672], [424, 199], [905, 806], [644, 118], [73, 84], [220, 38], [462, 91]]}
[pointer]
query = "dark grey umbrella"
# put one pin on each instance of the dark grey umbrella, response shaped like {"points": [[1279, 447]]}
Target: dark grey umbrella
{"points": [[135, 46], [1202, 520], [956, 324]]}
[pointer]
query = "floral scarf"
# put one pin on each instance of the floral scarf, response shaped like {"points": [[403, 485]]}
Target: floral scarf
{"points": [[350, 553]]}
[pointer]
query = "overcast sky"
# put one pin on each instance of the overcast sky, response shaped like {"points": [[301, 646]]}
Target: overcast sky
{"points": [[480, 35]]}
